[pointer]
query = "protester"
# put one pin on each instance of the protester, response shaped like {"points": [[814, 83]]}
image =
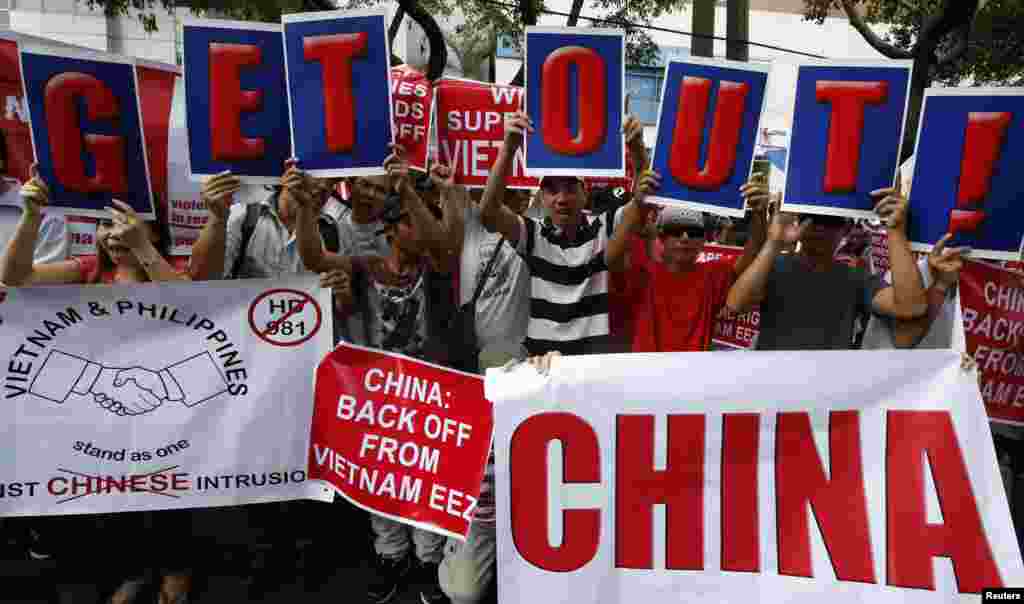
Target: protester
{"points": [[360, 229], [566, 255], [128, 248], [52, 244], [681, 298], [808, 300], [128, 251], [391, 308]]}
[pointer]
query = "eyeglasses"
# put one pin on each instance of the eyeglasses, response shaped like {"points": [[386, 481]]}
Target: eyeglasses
{"points": [[678, 230]]}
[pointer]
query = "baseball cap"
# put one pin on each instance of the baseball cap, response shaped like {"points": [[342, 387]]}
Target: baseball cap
{"points": [[552, 178], [678, 217]]}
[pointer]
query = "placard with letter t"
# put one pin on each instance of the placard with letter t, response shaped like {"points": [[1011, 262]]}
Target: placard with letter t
{"points": [[339, 93], [847, 132]]}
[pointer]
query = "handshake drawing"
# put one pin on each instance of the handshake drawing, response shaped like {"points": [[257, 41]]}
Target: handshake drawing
{"points": [[128, 391]]}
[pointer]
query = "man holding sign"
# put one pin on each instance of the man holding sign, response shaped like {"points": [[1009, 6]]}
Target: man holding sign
{"points": [[809, 301]]}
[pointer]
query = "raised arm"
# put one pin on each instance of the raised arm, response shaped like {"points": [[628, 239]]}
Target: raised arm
{"points": [[634, 221], [17, 264], [757, 197], [302, 190], [906, 298], [751, 286], [131, 231], [208, 251], [634, 132], [493, 213], [455, 201], [428, 229], [944, 265]]}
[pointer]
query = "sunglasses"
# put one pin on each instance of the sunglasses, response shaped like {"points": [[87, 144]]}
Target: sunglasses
{"points": [[675, 230]]}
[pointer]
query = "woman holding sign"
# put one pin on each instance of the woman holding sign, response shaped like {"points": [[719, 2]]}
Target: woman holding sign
{"points": [[128, 252], [128, 248]]}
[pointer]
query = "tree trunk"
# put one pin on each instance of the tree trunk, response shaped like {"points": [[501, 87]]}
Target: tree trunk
{"points": [[703, 25], [738, 28], [919, 81]]}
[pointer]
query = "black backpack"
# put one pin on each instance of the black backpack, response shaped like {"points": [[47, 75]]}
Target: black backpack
{"points": [[253, 211]]}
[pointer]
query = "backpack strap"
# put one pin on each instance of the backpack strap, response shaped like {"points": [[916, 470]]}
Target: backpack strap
{"points": [[329, 234], [252, 216]]}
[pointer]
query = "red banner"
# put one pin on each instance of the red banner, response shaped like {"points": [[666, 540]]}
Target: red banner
{"points": [[471, 128], [732, 330], [412, 101], [402, 438], [992, 301]]}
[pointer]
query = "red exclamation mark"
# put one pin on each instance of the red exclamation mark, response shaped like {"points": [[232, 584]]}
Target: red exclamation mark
{"points": [[982, 146]]}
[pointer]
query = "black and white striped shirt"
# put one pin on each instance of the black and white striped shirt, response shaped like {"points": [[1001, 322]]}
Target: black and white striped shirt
{"points": [[568, 285]]}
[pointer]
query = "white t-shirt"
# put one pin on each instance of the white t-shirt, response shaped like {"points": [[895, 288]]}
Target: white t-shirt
{"points": [[503, 310], [52, 243], [360, 239]]}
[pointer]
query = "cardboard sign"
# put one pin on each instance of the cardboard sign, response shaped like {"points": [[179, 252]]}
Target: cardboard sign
{"points": [[237, 116], [708, 124], [412, 99], [622, 482], [82, 233], [969, 149], [471, 130], [731, 330], [186, 216], [992, 302], [847, 132], [86, 129], [339, 96], [401, 438], [575, 82]]}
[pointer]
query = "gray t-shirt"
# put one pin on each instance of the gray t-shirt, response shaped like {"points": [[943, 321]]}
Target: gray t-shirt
{"points": [[808, 310], [503, 310]]}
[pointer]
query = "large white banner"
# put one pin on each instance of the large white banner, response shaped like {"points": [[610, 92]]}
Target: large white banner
{"points": [[158, 396], [776, 477]]}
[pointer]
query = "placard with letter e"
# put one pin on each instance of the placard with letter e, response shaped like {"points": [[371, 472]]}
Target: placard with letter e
{"points": [[328, 57], [86, 129], [236, 115], [575, 78], [707, 129], [969, 145], [847, 132]]}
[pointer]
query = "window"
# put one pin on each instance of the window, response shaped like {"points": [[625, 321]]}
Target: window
{"points": [[507, 48], [644, 90]]}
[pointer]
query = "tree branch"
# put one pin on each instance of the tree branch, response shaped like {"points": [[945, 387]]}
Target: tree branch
{"points": [[870, 36], [438, 49], [574, 13], [953, 14], [958, 49]]}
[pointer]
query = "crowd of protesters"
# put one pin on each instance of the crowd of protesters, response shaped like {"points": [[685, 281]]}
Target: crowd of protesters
{"points": [[421, 266]]}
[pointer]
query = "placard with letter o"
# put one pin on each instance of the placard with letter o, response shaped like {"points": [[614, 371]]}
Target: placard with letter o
{"points": [[574, 95]]}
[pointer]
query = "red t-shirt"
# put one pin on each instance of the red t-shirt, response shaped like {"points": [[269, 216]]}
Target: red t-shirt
{"points": [[627, 292], [679, 309], [90, 268]]}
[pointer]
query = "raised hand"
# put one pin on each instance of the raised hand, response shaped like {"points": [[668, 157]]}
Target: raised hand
{"points": [[945, 263], [217, 192], [129, 230], [340, 283], [398, 168], [443, 176], [786, 228], [298, 184], [517, 126], [755, 194], [35, 194], [634, 134], [891, 208]]}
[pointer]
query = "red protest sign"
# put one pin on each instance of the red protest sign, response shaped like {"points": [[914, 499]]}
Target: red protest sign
{"points": [[471, 129], [732, 330], [992, 301], [412, 100], [401, 438]]}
